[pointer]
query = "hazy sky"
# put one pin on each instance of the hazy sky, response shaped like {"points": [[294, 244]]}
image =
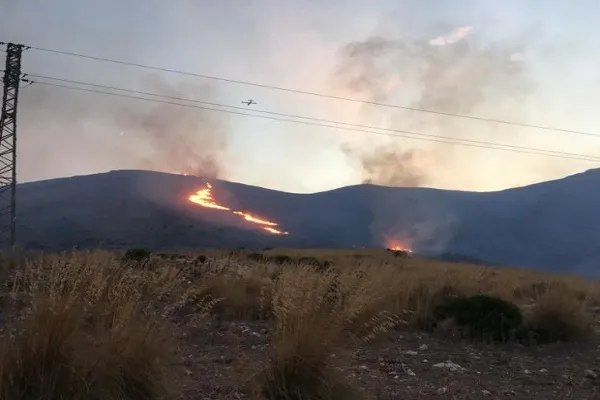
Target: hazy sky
{"points": [[528, 61]]}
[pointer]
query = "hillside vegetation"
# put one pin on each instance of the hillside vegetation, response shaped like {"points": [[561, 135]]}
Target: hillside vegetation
{"points": [[287, 325], [551, 226]]}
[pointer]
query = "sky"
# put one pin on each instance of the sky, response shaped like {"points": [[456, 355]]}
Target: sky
{"points": [[533, 62]]}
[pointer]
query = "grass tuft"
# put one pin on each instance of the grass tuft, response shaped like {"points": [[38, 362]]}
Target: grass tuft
{"points": [[558, 317], [85, 328], [317, 314]]}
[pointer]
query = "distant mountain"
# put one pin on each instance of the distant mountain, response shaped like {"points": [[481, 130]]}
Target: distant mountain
{"points": [[553, 225]]}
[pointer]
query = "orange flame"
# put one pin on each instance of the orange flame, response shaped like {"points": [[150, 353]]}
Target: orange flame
{"points": [[204, 198], [251, 218], [396, 245]]}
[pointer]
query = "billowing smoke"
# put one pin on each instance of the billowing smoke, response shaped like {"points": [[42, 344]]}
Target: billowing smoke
{"points": [[455, 36], [389, 165], [448, 73], [107, 132], [65, 132], [179, 139]]}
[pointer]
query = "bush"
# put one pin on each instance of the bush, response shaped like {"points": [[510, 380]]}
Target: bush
{"points": [[483, 316], [558, 318], [137, 254]]}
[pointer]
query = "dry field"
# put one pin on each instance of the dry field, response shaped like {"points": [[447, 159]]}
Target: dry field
{"points": [[367, 325]]}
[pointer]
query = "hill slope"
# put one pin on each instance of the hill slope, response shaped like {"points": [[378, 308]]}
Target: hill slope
{"points": [[552, 225]]}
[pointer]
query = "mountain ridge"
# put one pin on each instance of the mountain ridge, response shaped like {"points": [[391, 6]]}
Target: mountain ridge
{"points": [[548, 225]]}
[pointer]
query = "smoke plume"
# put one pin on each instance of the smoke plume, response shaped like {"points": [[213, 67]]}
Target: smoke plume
{"points": [[455, 36], [389, 165], [106, 132], [180, 139], [449, 73]]}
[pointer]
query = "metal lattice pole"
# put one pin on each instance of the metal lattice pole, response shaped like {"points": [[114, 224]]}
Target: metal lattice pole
{"points": [[8, 144]]}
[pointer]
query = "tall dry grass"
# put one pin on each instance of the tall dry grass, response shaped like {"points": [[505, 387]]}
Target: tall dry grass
{"points": [[316, 316], [87, 325], [84, 326]]}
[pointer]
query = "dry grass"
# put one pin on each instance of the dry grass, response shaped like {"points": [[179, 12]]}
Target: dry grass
{"points": [[316, 316], [239, 297], [87, 325], [558, 315], [84, 326]]}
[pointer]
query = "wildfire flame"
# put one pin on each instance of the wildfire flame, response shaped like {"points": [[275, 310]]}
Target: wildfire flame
{"points": [[396, 245], [251, 218], [204, 198]]}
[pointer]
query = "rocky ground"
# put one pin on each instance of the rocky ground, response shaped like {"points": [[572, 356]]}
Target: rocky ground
{"points": [[220, 360]]}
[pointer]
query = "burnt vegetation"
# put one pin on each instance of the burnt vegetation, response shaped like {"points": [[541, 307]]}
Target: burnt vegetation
{"points": [[398, 253]]}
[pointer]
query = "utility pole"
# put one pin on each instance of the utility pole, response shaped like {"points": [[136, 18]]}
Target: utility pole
{"points": [[8, 144]]}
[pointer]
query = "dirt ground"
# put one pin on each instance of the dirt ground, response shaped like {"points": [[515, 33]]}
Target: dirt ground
{"points": [[221, 359]]}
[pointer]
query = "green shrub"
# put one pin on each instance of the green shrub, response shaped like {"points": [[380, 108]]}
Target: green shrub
{"points": [[482, 316], [138, 254]]}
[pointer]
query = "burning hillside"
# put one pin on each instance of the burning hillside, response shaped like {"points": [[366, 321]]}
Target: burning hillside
{"points": [[204, 198], [395, 245]]}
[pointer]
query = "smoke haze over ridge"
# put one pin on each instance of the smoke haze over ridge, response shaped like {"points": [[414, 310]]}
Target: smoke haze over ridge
{"points": [[510, 61]]}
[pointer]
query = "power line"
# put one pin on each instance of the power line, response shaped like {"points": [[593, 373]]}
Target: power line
{"points": [[321, 120], [315, 94], [308, 121]]}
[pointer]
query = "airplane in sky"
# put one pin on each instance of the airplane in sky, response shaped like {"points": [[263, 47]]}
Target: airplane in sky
{"points": [[249, 102]]}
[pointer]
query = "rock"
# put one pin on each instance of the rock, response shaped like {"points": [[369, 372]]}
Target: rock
{"points": [[423, 347], [588, 373], [486, 392], [411, 352], [449, 365]]}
